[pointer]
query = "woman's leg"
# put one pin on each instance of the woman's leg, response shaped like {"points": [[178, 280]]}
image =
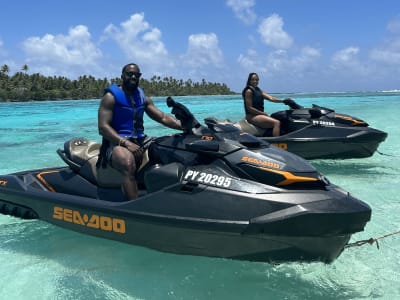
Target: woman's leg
{"points": [[265, 122]]}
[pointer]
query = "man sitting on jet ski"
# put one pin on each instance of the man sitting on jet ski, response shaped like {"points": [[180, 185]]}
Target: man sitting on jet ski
{"points": [[253, 98], [120, 122]]}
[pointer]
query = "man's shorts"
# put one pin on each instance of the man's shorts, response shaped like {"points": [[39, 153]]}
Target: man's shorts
{"points": [[111, 147]]}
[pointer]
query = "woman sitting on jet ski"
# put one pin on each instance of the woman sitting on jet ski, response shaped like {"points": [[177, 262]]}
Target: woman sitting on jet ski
{"points": [[253, 98]]}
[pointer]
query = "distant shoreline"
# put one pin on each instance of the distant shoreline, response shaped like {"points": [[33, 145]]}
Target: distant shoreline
{"points": [[292, 94]]}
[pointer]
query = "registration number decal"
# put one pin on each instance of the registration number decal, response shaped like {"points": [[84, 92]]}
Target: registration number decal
{"points": [[323, 123], [208, 178]]}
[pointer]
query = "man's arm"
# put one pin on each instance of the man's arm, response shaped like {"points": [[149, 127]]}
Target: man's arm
{"points": [[105, 115]]}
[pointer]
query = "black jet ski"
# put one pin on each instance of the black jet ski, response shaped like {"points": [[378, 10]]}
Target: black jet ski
{"points": [[319, 132], [209, 191]]}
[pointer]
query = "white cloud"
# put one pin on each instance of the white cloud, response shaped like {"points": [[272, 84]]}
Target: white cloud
{"points": [[2, 51], [249, 61], [307, 59], [345, 58], [203, 51], [202, 60], [76, 48], [279, 61], [243, 10], [347, 64], [386, 56], [140, 42], [389, 52], [394, 26], [52, 53], [272, 33]]}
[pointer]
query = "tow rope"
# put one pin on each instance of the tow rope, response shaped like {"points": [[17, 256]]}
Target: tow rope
{"points": [[371, 240], [385, 154]]}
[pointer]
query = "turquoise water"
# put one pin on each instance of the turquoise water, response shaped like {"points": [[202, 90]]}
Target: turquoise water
{"points": [[41, 261]]}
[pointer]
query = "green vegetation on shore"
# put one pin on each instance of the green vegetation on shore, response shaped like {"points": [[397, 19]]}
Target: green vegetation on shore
{"points": [[24, 87]]}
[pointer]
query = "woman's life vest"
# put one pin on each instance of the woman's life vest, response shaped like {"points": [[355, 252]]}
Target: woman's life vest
{"points": [[257, 101]]}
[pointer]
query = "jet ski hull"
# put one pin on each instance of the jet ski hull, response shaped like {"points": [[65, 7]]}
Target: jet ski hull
{"points": [[333, 143], [219, 226]]}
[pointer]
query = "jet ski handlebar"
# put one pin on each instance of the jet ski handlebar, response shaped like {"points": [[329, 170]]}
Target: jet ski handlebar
{"points": [[291, 103], [183, 114]]}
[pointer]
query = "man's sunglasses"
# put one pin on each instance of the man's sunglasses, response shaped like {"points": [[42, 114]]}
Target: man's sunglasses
{"points": [[136, 74]]}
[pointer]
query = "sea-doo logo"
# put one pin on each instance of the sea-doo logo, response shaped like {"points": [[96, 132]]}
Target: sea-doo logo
{"points": [[92, 221], [264, 163], [208, 178], [323, 123], [3, 182]]}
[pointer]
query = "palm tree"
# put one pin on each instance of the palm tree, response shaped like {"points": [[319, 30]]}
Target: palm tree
{"points": [[5, 69], [25, 68]]}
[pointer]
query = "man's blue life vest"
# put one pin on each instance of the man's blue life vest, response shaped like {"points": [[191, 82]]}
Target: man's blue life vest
{"points": [[128, 112]]}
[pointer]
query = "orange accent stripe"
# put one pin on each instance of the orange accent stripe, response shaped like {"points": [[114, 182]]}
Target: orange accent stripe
{"points": [[289, 177], [48, 186], [355, 122]]}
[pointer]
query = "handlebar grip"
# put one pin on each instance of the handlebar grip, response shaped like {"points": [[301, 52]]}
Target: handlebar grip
{"points": [[170, 102]]}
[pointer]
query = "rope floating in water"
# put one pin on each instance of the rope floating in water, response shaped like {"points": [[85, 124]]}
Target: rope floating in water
{"points": [[371, 240]]}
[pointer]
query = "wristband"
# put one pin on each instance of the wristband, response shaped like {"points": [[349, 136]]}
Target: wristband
{"points": [[122, 142]]}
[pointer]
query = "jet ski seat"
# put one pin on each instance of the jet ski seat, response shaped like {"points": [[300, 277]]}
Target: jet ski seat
{"points": [[245, 126], [81, 155]]}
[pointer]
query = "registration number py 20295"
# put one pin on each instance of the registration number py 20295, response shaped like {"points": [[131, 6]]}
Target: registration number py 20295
{"points": [[208, 178]]}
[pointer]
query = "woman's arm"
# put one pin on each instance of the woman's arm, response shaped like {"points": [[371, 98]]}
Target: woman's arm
{"points": [[271, 98]]}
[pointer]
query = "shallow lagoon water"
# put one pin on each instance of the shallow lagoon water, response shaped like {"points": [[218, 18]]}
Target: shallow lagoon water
{"points": [[41, 261]]}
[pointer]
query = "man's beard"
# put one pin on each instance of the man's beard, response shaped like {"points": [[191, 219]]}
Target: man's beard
{"points": [[131, 85]]}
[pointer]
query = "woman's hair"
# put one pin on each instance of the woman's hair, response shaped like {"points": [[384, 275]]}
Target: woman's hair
{"points": [[248, 82], [249, 78]]}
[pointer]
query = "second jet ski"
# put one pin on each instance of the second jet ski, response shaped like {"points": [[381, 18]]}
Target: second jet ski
{"points": [[319, 132]]}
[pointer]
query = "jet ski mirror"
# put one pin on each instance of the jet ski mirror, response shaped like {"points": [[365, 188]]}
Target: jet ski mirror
{"points": [[182, 113]]}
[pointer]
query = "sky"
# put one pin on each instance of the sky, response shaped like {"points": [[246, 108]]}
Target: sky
{"points": [[293, 45]]}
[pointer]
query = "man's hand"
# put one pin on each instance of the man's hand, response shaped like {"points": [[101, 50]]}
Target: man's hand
{"points": [[136, 150]]}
